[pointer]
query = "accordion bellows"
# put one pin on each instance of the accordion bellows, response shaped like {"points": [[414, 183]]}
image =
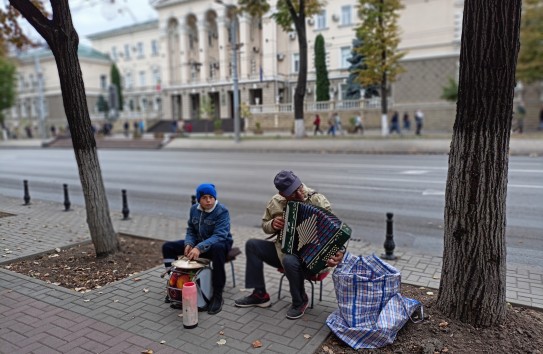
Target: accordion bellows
{"points": [[312, 233]]}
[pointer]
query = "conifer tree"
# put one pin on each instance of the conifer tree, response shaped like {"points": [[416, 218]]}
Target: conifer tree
{"points": [[323, 84]]}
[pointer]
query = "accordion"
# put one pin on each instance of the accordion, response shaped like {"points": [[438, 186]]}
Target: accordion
{"points": [[312, 233]]}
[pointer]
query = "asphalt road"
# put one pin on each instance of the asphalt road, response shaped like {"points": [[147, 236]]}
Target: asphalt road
{"points": [[362, 189]]}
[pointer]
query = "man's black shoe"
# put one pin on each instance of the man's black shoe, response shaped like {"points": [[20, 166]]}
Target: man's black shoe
{"points": [[167, 299], [215, 306]]}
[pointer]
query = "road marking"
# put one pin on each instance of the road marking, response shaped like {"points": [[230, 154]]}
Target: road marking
{"points": [[432, 192], [414, 172]]}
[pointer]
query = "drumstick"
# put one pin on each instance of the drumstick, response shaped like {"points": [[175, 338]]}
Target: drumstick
{"points": [[166, 272]]}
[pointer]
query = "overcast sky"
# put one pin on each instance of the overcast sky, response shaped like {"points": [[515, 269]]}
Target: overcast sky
{"points": [[94, 16], [91, 17]]}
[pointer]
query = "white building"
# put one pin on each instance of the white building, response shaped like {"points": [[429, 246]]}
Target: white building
{"points": [[175, 66]]}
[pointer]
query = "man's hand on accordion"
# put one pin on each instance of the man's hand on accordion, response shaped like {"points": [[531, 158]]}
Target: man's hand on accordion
{"points": [[278, 222], [334, 261]]}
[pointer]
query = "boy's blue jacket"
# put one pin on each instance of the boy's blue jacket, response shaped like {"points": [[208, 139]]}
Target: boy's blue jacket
{"points": [[205, 229]]}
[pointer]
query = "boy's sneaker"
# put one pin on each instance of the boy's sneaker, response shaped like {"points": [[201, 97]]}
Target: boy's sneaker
{"points": [[296, 312], [255, 299]]}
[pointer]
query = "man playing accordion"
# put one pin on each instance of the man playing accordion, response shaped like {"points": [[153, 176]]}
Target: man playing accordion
{"points": [[290, 188]]}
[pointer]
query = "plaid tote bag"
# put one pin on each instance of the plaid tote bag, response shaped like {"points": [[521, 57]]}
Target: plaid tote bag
{"points": [[371, 310]]}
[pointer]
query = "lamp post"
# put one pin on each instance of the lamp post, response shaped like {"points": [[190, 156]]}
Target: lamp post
{"points": [[234, 39]]}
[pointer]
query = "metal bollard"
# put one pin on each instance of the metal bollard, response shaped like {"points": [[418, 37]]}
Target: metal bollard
{"points": [[26, 197], [192, 199], [126, 212], [389, 240], [66, 198]]}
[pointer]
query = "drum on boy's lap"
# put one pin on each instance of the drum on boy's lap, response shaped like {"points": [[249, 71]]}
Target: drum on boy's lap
{"points": [[184, 271]]}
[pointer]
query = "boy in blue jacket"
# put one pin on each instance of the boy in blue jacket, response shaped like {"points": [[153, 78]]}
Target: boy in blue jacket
{"points": [[208, 236]]}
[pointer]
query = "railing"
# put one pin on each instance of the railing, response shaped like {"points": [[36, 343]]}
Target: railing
{"points": [[323, 106]]}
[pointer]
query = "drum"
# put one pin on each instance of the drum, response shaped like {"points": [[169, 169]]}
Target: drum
{"points": [[184, 271]]}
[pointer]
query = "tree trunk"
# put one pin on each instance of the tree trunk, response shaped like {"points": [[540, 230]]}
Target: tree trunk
{"points": [[299, 93], [63, 41], [473, 286]]}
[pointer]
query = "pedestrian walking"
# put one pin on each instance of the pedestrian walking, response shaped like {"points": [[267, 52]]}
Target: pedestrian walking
{"points": [[419, 121], [358, 125], [331, 127], [395, 123], [317, 124], [337, 123], [126, 128], [406, 121]]}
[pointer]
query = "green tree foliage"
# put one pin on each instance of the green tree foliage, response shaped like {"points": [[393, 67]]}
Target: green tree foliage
{"points": [[116, 80], [380, 37], [290, 15], [323, 84], [450, 92], [207, 107], [530, 60], [7, 86]]}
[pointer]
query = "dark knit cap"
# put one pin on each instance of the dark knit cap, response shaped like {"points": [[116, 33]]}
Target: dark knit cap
{"points": [[287, 182], [206, 188]]}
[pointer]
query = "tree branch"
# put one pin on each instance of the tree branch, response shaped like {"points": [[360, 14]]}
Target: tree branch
{"points": [[34, 16]]}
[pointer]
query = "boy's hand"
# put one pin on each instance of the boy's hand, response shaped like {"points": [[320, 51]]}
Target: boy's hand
{"points": [[188, 248], [194, 254]]}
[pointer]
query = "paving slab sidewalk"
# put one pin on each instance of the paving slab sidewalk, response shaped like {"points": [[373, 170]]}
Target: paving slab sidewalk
{"points": [[36, 317]]}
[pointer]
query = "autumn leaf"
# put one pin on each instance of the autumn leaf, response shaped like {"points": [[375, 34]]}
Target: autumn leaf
{"points": [[221, 342], [257, 344]]}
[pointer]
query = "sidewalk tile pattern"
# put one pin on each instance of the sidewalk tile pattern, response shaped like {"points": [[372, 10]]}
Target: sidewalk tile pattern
{"points": [[36, 317]]}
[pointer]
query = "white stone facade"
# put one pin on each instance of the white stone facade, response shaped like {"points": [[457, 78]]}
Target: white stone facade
{"points": [[172, 66]]}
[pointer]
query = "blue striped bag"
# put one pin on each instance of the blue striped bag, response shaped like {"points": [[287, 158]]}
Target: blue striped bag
{"points": [[371, 310]]}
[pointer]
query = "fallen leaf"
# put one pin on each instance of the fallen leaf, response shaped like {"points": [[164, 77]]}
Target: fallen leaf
{"points": [[115, 300], [429, 293], [443, 324], [221, 342], [221, 333], [54, 255], [148, 351], [162, 342], [145, 290], [180, 315], [137, 279], [445, 350], [86, 300], [57, 249], [257, 344], [307, 336]]}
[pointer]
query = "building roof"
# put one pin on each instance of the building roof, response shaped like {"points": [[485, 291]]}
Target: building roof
{"points": [[83, 51], [125, 30]]}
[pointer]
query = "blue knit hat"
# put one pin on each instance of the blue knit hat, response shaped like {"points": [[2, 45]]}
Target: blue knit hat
{"points": [[206, 188]]}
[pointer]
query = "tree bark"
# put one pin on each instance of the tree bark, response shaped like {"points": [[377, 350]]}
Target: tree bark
{"points": [[63, 41], [299, 93], [473, 286]]}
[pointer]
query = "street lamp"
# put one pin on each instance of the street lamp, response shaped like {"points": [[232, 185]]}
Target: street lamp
{"points": [[234, 38]]}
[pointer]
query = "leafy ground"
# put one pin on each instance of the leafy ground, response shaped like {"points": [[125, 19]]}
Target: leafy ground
{"points": [[77, 268]]}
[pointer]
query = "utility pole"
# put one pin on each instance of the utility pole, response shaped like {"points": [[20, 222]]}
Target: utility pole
{"points": [[234, 42], [40, 106]]}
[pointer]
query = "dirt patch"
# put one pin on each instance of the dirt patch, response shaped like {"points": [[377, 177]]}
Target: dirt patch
{"points": [[77, 268]]}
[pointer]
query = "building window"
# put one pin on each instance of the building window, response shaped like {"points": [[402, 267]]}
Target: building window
{"points": [[142, 78], [128, 80], [127, 52], [321, 20], [103, 82], [154, 47], [140, 50], [295, 62], [156, 76], [345, 54], [346, 15], [114, 54]]}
